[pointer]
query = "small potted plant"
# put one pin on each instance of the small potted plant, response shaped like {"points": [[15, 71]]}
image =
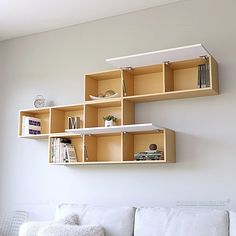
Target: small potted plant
{"points": [[109, 120]]}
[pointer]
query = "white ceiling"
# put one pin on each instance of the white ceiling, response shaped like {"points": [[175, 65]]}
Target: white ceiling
{"points": [[24, 17]]}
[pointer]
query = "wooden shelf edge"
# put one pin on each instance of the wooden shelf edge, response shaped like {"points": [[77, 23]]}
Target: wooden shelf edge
{"points": [[58, 135], [180, 94], [113, 163], [103, 101], [37, 136]]}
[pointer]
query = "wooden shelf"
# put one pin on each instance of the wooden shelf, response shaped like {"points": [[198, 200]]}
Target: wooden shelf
{"points": [[144, 80], [99, 83], [105, 148], [43, 114], [94, 113], [60, 114], [139, 141], [76, 141], [153, 76]]}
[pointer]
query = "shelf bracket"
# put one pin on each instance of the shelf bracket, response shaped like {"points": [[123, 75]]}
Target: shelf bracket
{"points": [[205, 57], [129, 68], [166, 62]]}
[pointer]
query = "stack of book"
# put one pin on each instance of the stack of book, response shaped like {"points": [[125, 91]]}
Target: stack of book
{"points": [[203, 76], [31, 125], [62, 151], [149, 155]]}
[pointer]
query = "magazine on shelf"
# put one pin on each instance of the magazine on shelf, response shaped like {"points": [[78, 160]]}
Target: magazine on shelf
{"points": [[31, 125]]}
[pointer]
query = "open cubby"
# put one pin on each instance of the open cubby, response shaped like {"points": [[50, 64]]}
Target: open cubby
{"points": [[59, 117], [98, 83], [143, 80], [140, 141], [103, 148], [95, 112], [76, 141], [182, 75], [42, 114]]}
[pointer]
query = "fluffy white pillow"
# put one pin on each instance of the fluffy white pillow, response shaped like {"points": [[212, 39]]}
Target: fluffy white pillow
{"points": [[71, 219], [32, 228], [71, 230]]}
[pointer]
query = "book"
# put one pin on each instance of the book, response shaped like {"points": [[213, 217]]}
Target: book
{"points": [[58, 149], [31, 125], [70, 149], [124, 88], [203, 76]]}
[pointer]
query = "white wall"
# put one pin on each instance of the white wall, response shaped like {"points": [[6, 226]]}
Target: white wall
{"points": [[53, 64]]}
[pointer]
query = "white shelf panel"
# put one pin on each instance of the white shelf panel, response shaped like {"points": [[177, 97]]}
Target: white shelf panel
{"points": [[158, 57], [116, 129]]}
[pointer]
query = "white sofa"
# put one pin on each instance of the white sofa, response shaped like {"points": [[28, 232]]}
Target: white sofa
{"points": [[149, 221]]}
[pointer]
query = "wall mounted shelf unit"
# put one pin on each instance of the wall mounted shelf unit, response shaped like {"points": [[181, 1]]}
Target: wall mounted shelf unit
{"points": [[154, 76], [166, 74]]}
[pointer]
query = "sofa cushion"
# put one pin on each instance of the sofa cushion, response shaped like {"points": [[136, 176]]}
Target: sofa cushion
{"points": [[31, 228], [71, 230], [116, 221], [180, 222]]}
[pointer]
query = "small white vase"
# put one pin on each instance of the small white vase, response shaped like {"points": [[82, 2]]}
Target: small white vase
{"points": [[109, 123]]}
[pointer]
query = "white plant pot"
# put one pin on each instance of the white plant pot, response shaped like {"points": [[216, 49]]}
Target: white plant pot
{"points": [[109, 123]]}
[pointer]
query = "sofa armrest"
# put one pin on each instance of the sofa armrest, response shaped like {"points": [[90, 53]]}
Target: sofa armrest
{"points": [[232, 223], [31, 228]]}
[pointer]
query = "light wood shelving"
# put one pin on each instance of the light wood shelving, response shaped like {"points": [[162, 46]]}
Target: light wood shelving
{"points": [[150, 77]]}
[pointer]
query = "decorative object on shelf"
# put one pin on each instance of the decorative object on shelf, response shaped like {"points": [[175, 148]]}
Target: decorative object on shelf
{"points": [[39, 101], [109, 120], [150, 155], [153, 146], [74, 122], [107, 94]]}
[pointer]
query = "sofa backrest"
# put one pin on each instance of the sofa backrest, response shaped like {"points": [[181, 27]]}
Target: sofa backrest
{"points": [[180, 222], [117, 221]]}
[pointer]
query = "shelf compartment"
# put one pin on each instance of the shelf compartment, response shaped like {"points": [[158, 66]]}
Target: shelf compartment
{"points": [[99, 83], [143, 80], [41, 113], [95, 112], [139, 141], [60, 114], [183, 75], [102, 148], [76, 141]]}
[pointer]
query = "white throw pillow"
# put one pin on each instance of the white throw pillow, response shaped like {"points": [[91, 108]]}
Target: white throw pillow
{"points": [[32, 228], [71, 230], [71, 219]]}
